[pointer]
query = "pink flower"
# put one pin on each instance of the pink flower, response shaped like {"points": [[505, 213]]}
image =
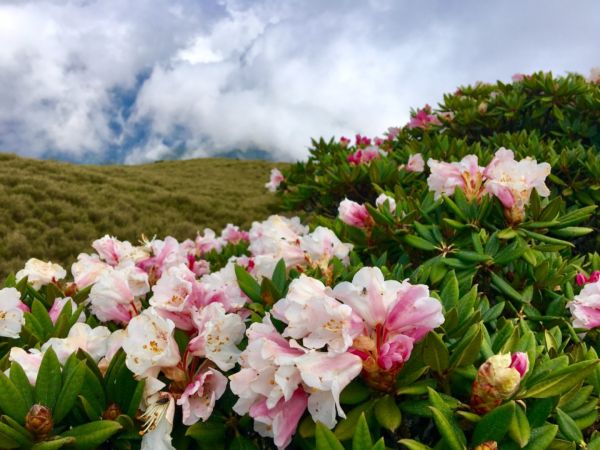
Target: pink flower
{"points": [[87, 269], [365, 155], [362, 141], [276, 179], [208, 242], [344, 141], [520, 362], [165, 254], [321, 246], [392, 133], [314, 316], [395, 316], [415, 163], [280, 237], [354, 214], [111, 250], [29, 361], [423, 119], [279, 422], [115, 295], [59, 304], [222, 287], [512, 181], [594, 75], [445, 177], [233, 235], [518, 77], [581, 279], [199, 397], [585, 307]]}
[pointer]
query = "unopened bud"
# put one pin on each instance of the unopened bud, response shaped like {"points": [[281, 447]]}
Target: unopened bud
{"points": [[498, 379], [39, 421], [112, 412], [489, 445]]}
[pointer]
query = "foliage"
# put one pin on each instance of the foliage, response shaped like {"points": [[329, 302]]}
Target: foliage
{"points": [[53, 210]]}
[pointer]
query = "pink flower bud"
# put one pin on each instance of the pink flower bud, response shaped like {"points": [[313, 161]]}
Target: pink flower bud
{"points": [[354, 214], [520, 361], [580, 279]]}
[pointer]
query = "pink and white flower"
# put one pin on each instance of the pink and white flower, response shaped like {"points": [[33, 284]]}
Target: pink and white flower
{"points": [[113, 251], [395, 314], [415, 163], [29, 361], [150, 344], [466, 175], [115, 295], [585, 307], [313, 315], [219, 333], [87, 269], [207, 242], [93, 341], [276, 179], [322, 245], [232, 234], [58, 306], [12, 311], [222, 287], [165, 254], [354, 214], [365, 155], [40, 273], [423, 119], [158, 422], [280, 237], [594, 75], [512, 181], [198, 399]]}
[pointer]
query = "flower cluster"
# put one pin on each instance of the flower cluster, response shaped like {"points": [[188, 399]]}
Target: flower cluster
{"points": [[509, 180]]}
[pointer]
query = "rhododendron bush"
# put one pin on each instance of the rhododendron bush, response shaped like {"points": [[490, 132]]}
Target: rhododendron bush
{"points": [[442, 293]]}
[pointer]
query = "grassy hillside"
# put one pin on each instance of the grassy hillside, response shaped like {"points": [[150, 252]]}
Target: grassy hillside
{"points": [[53, 210]]}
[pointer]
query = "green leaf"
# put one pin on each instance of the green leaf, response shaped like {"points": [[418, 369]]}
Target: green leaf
{"points": [[71, 387], [354, 393], [503, 286], [242, 443], [279, 276], [41, 314], [345, 428], [413, 445], [362, 438], [12, 402], [541, 437], [519, 429], [387, 413], [418, 242], [325, 439], [10, 432], [450, 434], [19, 378], [90, 435], [379, 445], [560, 381], [494, 425], [568, 427], [248, 284], [136, 398], [435, 352], [210, 434], [48, 382], [468, 348], [54, 443]]}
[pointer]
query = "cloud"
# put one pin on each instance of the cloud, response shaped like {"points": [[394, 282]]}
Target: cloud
{"points": [[121, 81]]}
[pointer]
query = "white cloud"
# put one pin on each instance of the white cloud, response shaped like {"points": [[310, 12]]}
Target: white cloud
{"points": [[208, 77]]}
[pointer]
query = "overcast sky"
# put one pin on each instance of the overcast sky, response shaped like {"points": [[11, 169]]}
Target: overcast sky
{"points": [[140, 80]]}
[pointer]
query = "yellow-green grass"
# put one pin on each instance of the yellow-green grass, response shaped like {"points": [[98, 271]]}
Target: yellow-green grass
{"points": [[54, 210]]}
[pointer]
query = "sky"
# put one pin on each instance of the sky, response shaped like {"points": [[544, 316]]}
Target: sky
{"points": [[134, 81]]}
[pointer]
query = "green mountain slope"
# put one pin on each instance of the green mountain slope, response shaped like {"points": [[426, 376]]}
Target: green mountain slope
{"points": [[53, 210]]}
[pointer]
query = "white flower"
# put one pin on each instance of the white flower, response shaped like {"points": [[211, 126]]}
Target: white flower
{"points": [[327, 374], [87, 269], [158, 423], [222, 287], [93, 341], [322, 245], [313, 315], [11, 313], [382, 199], [280, 237], [150, 344], [40, 273], [219, 334], [29, 361], [115, 295]]}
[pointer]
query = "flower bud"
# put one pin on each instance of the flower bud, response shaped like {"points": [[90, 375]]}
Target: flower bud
{"points": [[489, 445], [112, 412], [498, 379], [39, 421]]}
